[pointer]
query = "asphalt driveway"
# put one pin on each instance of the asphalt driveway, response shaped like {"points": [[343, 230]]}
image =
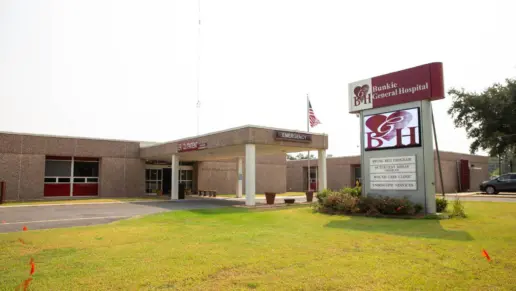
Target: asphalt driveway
{"points": [[67, 215]]}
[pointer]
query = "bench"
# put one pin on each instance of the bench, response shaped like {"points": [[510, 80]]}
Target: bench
{"points": [[209, 193]]}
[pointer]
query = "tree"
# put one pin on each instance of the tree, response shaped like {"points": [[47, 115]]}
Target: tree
{"points": [[291, 157], [488, 117], [299, 156]]}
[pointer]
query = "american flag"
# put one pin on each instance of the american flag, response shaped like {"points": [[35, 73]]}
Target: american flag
{"points": [[311, 116]]}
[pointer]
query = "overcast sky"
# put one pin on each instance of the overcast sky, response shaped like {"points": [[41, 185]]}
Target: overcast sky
{"points": [[127, 69]]}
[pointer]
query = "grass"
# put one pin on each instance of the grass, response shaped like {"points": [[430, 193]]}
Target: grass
{"points": [[85, 200], [292, 248], [263, 195]]}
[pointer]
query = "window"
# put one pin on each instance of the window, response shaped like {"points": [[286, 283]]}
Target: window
{"points": [[357, 173], [513, 177], [153, 180], [58, 171], [57, 168], [313, 173], [85, 169], [504, 178], [72, 176]]}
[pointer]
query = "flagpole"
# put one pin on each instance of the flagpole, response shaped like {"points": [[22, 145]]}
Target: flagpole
{"points": [[308, 130]]}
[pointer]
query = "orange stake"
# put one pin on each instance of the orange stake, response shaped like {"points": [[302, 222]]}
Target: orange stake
{"points": [[485, 254], [25, 228], [25, 284], [32, 266]]}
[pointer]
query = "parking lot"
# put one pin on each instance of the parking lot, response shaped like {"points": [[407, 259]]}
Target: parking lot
{"points": [[14, 218]]}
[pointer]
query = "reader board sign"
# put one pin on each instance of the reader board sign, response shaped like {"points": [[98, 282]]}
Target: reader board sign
{"points": [[393, 173]]}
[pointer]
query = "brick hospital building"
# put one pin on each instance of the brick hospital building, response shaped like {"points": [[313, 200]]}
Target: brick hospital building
{"points": [[248, 159]]}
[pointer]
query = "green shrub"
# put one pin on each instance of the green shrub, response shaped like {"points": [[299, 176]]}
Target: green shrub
{"points": [[441, 204], [355, 191], [418, 208], [458, 209], [345, 202], [337, 202], [322, 195], [394, 206]]}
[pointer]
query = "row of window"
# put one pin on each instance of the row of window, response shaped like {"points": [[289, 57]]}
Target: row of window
{"points": [[61, 171], [156, 174], [154, 179], [67, 180], [64, 168]]}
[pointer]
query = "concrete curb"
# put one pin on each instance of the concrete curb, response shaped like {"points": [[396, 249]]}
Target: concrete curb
{"points": [[495, 196], [87, 203]]}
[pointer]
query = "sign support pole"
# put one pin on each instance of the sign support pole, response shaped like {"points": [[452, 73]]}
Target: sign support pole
{"points": [[308, 130], [437, 150]]}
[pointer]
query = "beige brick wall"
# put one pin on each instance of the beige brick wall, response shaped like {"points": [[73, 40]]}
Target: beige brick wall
{"points": [[32, 176], [121, 177], [340, 172], [23, 175], [339, 175], [219, 176], [478, 173], [295, 178], [10, 174], [222, 176], [22, 164]]}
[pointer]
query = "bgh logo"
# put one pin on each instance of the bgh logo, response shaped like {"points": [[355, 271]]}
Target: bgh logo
{"points": [[362, 95], [389, 131]]}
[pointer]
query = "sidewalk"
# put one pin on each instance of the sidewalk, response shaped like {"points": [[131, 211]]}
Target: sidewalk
{"points": [[83, 201], [261, 200]]}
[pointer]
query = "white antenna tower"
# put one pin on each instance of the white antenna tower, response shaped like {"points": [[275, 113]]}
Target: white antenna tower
{"points": [[198, 64]]}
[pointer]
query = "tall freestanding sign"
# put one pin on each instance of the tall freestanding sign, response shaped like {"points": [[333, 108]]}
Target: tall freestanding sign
{"points": [[396, 132]]}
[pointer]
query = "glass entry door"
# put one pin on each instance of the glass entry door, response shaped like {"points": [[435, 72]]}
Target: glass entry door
{"points": [[160, 179], [153, 180], [186, 176]]}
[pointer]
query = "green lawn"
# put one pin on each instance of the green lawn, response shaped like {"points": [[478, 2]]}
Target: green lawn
{"points": [[291, 248]]}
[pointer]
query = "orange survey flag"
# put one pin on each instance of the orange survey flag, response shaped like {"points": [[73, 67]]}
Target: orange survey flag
{"points": [[485, 254], [25, 228], [32, 266], [25, 284]]}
